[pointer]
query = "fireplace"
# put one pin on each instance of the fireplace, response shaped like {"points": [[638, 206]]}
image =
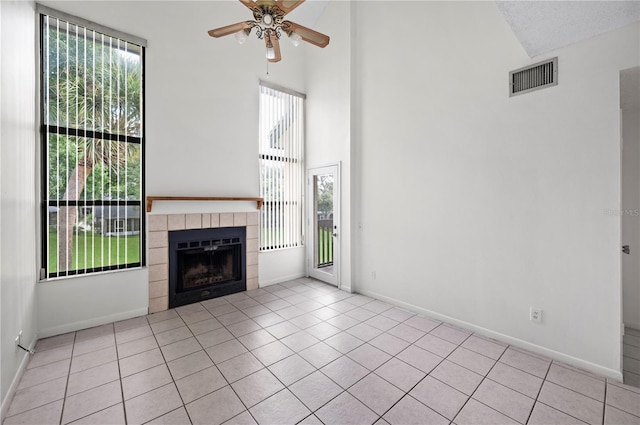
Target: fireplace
{"points": [[206, 263]]}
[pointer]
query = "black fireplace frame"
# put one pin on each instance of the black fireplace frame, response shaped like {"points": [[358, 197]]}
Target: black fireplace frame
{"points": [[177, 239]]}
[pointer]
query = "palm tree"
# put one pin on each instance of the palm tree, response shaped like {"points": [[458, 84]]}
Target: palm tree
{"points": [[98, 88]]}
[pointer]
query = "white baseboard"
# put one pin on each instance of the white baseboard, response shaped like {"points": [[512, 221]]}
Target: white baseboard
{"points": [[516, 342], [4, 409], [90, 323], [280, 279]]}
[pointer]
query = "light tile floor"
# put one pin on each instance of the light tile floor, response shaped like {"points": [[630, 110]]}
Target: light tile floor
{"points": [[631, 359], [303, 352]]}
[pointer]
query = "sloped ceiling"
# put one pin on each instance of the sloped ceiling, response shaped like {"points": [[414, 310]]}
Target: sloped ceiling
{"points": [[543, 26], [540, 26]]}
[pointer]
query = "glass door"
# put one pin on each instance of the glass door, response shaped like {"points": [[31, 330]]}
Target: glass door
{"points": [[324, 223]]}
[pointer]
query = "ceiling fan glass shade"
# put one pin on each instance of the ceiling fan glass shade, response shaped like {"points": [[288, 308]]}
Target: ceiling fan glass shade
{"points": [[273, 48], [295, 38], [241, 36], [310, 36], [271, 53]]}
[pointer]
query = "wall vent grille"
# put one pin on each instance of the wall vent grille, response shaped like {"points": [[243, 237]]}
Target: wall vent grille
{"points": [[533, 77]]}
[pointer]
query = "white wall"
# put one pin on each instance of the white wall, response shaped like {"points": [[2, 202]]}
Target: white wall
{"points": [[18, 194], [630, 219], [476, 206], [67, 305], [201, 133], [281, 265], [328, 114]]}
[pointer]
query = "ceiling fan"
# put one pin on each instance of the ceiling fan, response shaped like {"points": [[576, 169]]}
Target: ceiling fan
{"points": [[269, 23]]}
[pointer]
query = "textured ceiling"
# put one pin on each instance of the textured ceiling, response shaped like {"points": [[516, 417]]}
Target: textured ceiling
{"points": [[543, 26]]}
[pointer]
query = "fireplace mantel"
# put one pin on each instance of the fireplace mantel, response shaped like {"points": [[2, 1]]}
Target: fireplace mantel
{"points": [[150, 199]]}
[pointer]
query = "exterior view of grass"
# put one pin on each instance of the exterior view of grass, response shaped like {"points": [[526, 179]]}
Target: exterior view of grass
{"points": [[325, 247], [93, 250]]}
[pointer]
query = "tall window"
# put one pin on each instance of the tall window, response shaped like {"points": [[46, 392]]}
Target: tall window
{"points": [[92, 129], [281, 167]]}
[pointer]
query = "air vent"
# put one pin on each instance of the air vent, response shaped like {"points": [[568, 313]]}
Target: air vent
{"points": [[533, 77]]}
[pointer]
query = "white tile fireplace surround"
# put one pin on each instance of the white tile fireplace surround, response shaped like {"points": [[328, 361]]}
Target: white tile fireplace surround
{"points": [[158, 244]]}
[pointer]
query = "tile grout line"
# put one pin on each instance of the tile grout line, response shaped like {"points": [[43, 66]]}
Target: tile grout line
{"points": [[166, 364], [66, 386], [540, 391], [485, 377], [124, 406], [569, 389], [98, 386], [604, 404], [473, 392], [224, 377]]}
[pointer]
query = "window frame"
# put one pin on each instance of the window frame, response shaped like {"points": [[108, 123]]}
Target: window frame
{"points": [[46, 130]]}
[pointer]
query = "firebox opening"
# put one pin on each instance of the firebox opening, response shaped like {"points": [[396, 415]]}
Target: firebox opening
{"points": [[206, 263]]}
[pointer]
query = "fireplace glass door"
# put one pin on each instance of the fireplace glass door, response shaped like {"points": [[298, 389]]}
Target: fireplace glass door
{"points": [[208, 265]]}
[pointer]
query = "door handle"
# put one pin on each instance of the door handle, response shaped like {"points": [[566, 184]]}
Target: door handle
{"points": [[626, 249]]}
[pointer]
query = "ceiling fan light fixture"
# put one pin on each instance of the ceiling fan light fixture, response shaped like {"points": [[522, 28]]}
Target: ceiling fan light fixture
{"points": [[241, 36], [295, 38], [269, 23], [271, 52]]}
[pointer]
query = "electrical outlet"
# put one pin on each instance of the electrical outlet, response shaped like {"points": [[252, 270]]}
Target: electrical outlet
{"points": [[373, 275], [535, 314]]}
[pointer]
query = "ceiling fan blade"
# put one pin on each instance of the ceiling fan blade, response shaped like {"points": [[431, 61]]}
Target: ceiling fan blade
{"points": [[276, 47], [249, 3], [310, 36], [287, 5], [229, 29]]}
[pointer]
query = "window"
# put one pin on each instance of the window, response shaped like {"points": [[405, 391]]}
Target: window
{"points": [[92, 130], [281, 167]]}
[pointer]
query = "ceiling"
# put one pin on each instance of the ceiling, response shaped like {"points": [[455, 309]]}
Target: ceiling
{"points": [[308, 13], [543, 26], [540, 26]]}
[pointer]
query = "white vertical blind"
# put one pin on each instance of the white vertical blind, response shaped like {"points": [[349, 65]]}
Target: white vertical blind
{"points": [[92, 109], [281, 167]]}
